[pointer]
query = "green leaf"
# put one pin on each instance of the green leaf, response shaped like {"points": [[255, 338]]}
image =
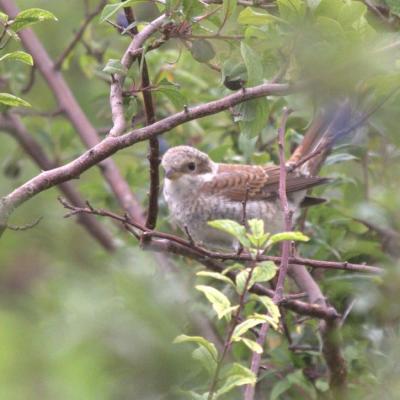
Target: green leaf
{"points": [[115, 66], [247, 144], [241, 279], [232, 267], [202, 50], [321, 385], [329, 8], [297, 378], [252, 345], [249, 16], [253, 64], [193, 395], [296, 236], [20, 56], [272, 308], [394, 6], [232, 228], [249, 323], [3, 17], [31, 16], [330, 29], [237, 375], [252, 117], [191, 8], [202, 355], [280, 387], [228, 312], [218, 300], [257, 236], [263, 272], [210, 347], [291, 10], [12, 101], [215, 275], [172, 92], [110, 9], [229, 7], [352, 12], [256, 227]]}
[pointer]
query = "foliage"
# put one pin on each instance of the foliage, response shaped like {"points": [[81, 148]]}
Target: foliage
{"points": [[79, 322]]}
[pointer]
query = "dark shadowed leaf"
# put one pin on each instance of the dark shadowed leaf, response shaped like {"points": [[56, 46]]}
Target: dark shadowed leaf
{"points": [[202, 50]]}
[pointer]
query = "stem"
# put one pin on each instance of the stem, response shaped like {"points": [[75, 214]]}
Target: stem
{"points": [[228, 341], [256, 358]]}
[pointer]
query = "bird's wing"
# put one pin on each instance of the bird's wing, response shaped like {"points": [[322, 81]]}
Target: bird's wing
{"points": [[238, 182]]}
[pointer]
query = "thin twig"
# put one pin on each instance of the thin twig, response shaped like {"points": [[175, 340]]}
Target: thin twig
{"points": [[74, 113], [228, 341], [284, 205], [287, 213], [30, 82], [78, 35], [26, 226], [12, 124], [154, 150]]}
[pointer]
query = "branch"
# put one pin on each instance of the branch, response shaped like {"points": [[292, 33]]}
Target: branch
{"points": [[58, 64], [154, 154], [287, 213], [167, 243], [112, 144], [26, 226], [78, 119], [130, 55], [284, 205], [248, 3], [12, 124]]}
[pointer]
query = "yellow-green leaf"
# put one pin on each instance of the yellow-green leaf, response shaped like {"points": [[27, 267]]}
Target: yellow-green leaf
{"points": [[20, 56], [31, 16], [12, 101]]}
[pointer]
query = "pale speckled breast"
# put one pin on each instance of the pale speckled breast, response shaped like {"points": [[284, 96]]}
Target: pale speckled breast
{"points": [[194, 211]]}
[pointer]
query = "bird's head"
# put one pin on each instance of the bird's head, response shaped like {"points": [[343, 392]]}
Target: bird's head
{"points": [[186, 161]]}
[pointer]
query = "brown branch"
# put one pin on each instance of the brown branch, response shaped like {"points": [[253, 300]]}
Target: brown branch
{"points": [[167, 243], [284, 205], [75, 114], [247, 3], [78, 35], [154, 152], [383, 14], [111, 144], [116, 90], [12, 124], [28, 86], [284, 265]]}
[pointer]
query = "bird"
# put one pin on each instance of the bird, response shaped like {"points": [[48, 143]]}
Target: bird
{"points": [[198, 190]]}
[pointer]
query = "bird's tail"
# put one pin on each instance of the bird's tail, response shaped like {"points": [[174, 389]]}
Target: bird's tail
{"points": [[326, 129]]}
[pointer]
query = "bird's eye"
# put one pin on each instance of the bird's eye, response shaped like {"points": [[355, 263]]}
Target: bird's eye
{"points": [[191, 166]]}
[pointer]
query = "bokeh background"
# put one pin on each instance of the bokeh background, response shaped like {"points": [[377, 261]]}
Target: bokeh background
{"points": [[77, 322]]}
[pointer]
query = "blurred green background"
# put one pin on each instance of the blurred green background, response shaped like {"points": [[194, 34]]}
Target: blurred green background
{"points": [[77, 322]]}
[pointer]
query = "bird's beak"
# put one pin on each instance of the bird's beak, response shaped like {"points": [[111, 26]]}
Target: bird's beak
{"points": [[172, 173]]}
